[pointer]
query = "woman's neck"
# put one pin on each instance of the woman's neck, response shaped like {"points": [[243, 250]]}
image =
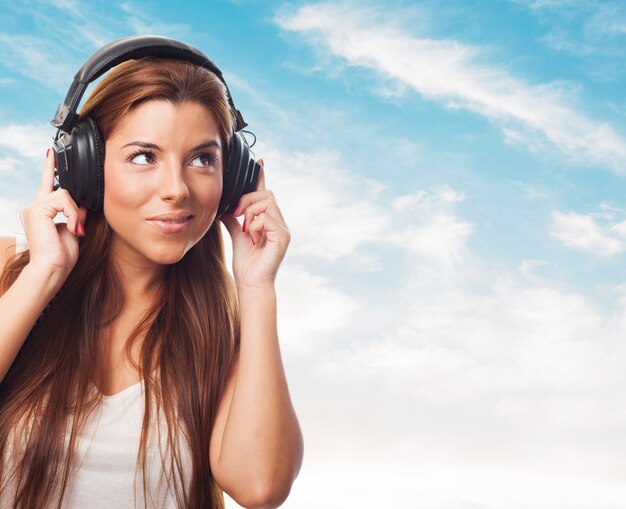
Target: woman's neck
{"points": [[140, 277]]}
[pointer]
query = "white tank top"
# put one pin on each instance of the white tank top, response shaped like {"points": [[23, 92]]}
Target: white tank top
{"points": [[106, 453]]}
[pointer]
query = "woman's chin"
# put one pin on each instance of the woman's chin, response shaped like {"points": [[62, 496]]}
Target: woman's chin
{"points": [[169, 259], [168, 256]]}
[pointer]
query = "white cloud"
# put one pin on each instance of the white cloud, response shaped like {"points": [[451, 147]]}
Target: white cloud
{"points": [[329, 211], [527, 269], [81, 23], [432, 484], [486, 380], [28, 141], [8, 166], [455, 73], [9, 217], [432, 227], [312, 309], [493, 381], [34, 58], [351, 224], [143, 23], [591, 233], [551, 4], [584, 28], [22, 154], [333, 214]]}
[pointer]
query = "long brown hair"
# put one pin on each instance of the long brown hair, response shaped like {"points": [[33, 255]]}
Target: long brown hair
{"points": [[191, 331]]}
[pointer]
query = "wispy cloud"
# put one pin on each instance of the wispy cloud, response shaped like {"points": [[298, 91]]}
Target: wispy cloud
{"points": [[26, 140], [457, 75], [34, 58], [22, 154], [82, 24], [526, 368], [141, 22], [8, 166], [434, 228], [51, 59], [9, 217], [340, 217], [542, 4], [332, 213], [596, 233], [583, 28]]}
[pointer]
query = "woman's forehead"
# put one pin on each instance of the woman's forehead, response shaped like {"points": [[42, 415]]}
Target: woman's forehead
{"points": [[164, 120]]}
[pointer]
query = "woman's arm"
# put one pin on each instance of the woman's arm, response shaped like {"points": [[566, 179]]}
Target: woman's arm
{"points": [[53, 253], [256, 448]]}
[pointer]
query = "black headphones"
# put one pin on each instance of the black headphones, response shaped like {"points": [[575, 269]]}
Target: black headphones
{"points": [[79, 148]]}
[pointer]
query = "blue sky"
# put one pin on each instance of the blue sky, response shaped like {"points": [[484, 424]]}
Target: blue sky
{"points": [[451, 307]]}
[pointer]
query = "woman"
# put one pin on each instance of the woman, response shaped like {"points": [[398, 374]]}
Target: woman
{"points": [[124, 338]]}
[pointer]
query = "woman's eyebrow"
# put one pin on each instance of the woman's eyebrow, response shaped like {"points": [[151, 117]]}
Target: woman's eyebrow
{"points": [[207, 144], [145, 144]]}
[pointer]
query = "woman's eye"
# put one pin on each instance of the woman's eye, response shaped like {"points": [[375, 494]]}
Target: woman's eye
{"points": [[136, 158], [205, 160]]}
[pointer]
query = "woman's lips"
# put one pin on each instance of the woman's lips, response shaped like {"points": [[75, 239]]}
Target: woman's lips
{"points": [[170, 226]]}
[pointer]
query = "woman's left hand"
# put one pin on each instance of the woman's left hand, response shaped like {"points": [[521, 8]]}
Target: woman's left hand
{"points": [[257, 252]]}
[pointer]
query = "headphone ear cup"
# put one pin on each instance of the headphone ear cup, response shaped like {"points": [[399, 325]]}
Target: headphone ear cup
{"points": [[241, 173], [80, 164], [90, 164]]}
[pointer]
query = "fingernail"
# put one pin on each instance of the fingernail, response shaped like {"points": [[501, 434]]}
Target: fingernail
{"points": [[81, 229], [243, 228], [47, 152], [236, 210]]}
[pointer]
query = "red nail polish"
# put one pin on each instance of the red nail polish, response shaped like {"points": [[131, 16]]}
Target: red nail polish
{"points": [[236, 210], [81, 229], [47, 152], [243, 228]]}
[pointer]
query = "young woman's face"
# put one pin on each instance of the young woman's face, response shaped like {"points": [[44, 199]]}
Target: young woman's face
{"points": [[162, 159]]}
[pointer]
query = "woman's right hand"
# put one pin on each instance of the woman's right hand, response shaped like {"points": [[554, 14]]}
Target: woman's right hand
{"points": [[53, 246]]}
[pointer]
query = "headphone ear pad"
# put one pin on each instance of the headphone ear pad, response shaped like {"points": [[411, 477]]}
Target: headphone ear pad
{"points": [[80, 164], [241, 173], [91, 164]]}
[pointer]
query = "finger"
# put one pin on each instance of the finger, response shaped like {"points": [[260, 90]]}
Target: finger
{"points": [[264, 226], [260, 185], [267, 206], [250, 198], [46, 185], [255, 229], [72, 213], [61, 201]]}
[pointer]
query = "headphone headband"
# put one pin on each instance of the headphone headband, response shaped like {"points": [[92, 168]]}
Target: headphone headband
{"points": [[127, 48]]}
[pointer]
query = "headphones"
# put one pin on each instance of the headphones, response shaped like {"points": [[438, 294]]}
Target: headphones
{"points": [[79, 147]]}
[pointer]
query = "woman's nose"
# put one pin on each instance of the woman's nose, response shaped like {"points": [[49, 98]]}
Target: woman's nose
{"points": [[173, 186]]}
